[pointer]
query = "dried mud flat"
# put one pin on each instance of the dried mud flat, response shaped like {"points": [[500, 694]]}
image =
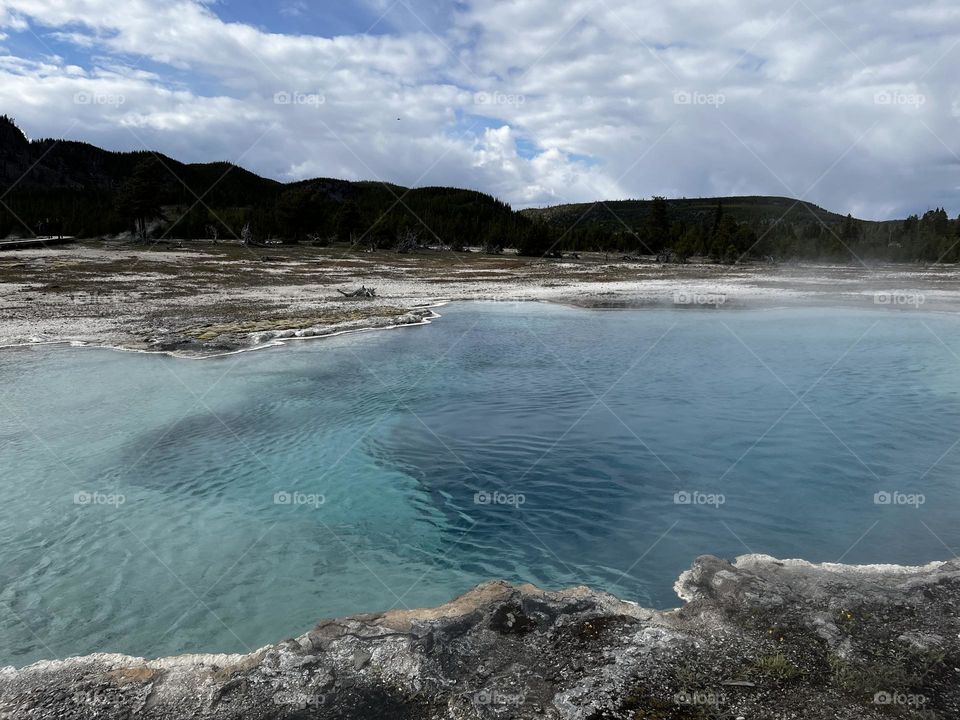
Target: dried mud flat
{"points": [[203, 299]]}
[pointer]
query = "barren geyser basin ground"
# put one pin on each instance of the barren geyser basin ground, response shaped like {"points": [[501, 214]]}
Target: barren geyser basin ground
{"points": [[608, 445], [205, 298]]}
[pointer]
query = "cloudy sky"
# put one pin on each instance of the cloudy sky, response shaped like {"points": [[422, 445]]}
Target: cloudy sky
{"points": [[853, 105]]}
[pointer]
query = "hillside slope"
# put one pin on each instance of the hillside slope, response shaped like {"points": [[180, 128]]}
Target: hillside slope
{"points": [[635, 213], [79, 184]]}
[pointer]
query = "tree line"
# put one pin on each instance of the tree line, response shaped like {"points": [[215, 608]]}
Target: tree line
{"points": [[87, 192]]}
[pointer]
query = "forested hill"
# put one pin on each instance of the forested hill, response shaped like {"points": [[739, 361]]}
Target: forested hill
{"points": [[65, 165], [727, 228], [86, 191], [757, 210]]}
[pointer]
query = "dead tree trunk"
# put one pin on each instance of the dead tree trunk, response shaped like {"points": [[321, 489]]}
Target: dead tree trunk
{"points": [[363, 292]]}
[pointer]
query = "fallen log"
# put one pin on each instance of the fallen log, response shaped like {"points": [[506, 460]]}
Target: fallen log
{"points": [[363, 292]]}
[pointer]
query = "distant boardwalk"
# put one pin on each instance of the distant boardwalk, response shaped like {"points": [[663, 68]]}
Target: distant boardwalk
{"points": [[38, 242]]}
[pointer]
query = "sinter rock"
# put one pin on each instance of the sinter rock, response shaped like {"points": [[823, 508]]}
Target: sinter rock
{"points": [[759, 638]]}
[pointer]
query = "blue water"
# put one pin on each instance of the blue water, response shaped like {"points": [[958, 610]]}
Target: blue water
{"points": [[582, 425]]}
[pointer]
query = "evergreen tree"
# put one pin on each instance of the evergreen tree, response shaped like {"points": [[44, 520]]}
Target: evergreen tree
{"points": [[717, 219], [348, 222], [658, 225], [723, 236], [850, 231], [138, 198], [537, 241]]}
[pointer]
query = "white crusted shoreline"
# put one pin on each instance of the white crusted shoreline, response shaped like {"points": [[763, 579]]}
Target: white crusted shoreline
{"points": [[261, 342], [163, 300], [759, 638]]}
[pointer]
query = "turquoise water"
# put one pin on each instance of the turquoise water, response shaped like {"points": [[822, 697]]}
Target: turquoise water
{"points": [[143, 507]]}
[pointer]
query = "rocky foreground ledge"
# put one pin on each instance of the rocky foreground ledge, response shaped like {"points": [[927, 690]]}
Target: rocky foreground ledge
{"points": [[760, 638]]}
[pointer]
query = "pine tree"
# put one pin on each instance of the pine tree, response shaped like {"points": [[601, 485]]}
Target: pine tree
{"points": [[658, 225], [138, 198], [348, 221]]}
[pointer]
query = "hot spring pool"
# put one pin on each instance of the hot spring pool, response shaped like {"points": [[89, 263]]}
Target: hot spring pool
{"points": [[155, 506]]}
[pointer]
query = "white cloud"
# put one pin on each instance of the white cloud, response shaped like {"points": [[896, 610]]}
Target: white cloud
{"points": [[11, 20], [855, 103]]}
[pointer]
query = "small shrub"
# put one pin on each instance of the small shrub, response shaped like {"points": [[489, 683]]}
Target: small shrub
{"points": [[777, 666]]}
